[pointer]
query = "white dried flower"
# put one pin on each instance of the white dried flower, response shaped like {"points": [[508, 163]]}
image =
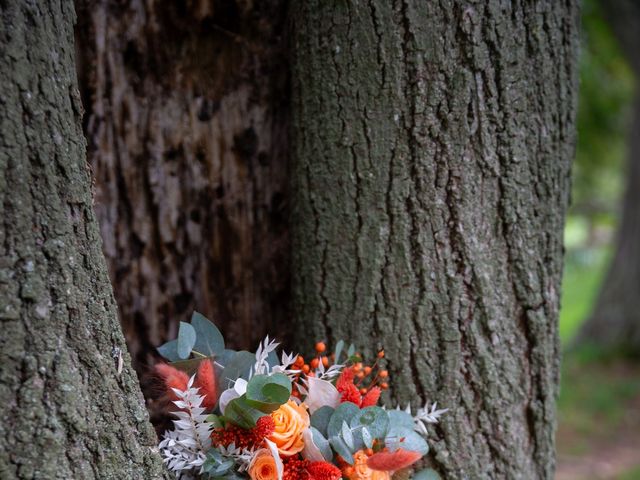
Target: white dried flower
{"points": [[426, 415], [264, 349], [330, 373], [184, 448]]}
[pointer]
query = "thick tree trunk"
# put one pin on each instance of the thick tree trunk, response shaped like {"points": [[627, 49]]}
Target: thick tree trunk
{"points": [[431, 164], [615, 321], [70, 402], [186, 122]]}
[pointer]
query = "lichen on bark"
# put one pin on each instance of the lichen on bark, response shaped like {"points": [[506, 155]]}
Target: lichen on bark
{"points": [[67, 408], [432, 144]]}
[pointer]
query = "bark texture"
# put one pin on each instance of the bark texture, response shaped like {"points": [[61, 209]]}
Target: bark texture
{"points": [[70, 402], [432, 144], [186, 123], [615, 321]]}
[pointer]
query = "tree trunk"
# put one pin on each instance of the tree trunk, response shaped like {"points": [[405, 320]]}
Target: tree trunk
{"points": [[431, 166], [71, 404], [615, 321], [186, 123]]}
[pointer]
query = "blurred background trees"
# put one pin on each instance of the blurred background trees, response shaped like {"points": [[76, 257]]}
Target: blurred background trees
{"points": [[615, 320], [604, 112], [599, 405]]}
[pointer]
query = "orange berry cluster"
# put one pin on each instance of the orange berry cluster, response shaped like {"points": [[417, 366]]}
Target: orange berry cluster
{"points": [[372, 375], [366, 376], [308, 368]]}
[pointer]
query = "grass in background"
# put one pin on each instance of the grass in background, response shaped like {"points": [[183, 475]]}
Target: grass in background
{"points": [[633, 474], [584, 270], [595, 400], [599, 404]]}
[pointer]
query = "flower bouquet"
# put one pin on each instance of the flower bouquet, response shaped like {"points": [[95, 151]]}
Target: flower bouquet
{"points": [[267, 417]]}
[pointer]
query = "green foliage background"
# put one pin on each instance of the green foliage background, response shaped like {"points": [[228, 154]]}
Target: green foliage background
{"points": [[599, 396], [606, 94]]}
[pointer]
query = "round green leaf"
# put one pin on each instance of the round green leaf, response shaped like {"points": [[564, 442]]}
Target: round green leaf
{"points": [[322, 443], [186, 340], [237, 367], [320, 418], [398, 418], [225, 357], [427, 474], [268, 392], [399, 437], [341, 449], [209, 340], [169, 350], [374, 418], [240, 413], [343, 413]]}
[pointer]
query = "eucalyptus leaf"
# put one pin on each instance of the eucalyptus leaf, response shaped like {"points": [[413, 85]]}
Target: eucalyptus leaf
{"points": [[367, 438], [186, 340], [338, 350], [323, 444], [209, 340], [344, 413], [225, 357], [351, 350], [374, 418], [347, 436], [341, 449], [169, 350], [399, 418], [427, 474], [406, 439], [237, 367], [320, 419]]}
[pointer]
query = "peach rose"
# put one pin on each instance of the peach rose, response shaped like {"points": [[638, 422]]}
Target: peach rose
{"points": [[263, 466], [291, 420], [360, 470]]}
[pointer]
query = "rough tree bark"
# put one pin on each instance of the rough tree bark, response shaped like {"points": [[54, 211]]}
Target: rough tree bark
{"points": [[186, 122], [432, 144], [70, 402], [615, 321]]}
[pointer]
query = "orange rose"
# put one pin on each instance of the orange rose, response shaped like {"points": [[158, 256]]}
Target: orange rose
{"points": [[263, 466], [360, 470], [291, 420]]}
